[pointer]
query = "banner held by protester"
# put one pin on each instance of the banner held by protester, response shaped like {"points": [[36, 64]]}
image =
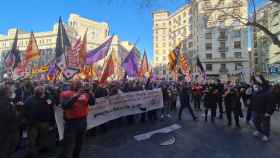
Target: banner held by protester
{"points": [[114, 107]]}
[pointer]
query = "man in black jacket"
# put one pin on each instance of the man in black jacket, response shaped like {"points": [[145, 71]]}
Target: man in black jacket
{"points": [[262, 106], [38, 112], [220, 88], [233, 106], [185, 101], [210, 102], [9, 133]]}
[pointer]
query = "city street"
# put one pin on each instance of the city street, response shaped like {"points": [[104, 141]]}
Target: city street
{"points": [[194, 139], [78, 77]]}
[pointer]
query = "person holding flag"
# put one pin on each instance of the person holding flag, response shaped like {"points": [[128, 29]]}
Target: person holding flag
{"points": [[75, 103]]}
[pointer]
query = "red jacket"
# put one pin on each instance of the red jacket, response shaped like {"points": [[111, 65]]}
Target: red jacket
{"points": [[79, 109], [197, 90]]}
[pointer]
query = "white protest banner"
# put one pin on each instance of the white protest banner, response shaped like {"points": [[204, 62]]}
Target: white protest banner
{"points": [[114, 107]]}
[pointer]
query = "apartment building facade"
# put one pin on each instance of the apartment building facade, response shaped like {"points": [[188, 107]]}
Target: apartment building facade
{"points": [[265, 55], [211, 34]]}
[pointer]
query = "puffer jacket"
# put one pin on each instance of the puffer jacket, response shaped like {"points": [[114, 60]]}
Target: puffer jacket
{"points": [[262, 102]]}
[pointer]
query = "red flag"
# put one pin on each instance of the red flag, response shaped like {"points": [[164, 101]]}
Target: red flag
{"points": [[108, 71], [185, 67], [173, 57], [144, 65], [32, 52]]}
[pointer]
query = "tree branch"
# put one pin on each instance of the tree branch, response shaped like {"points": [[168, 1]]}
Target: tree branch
{"points": [[274, 38], [277, 1]]}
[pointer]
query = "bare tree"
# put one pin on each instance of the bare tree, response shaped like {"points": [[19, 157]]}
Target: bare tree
{"points": [[274, 37], [246, 21], [252, 21], [277, 1]]}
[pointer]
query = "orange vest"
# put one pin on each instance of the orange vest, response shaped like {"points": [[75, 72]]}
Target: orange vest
{"points": [[79, 109]]}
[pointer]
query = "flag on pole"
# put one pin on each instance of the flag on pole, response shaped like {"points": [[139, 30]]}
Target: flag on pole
{"points": [[99, 53], [130, 63], [32, 52], [88, 72], [72, 55], [52, 72], [83, 51], [185, 67], [108, 71], [201, 69], [173, 57], [144, 65], [63, 46], [13, 57]]}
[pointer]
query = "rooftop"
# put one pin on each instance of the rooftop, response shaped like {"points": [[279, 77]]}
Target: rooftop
{"points": [[73, 16], [181, 9], [267, 4], [161, 11]]}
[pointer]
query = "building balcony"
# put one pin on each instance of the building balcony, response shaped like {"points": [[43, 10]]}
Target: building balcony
{"points": [[223, 49], [222, 38], [223, 60], [223, 70]]}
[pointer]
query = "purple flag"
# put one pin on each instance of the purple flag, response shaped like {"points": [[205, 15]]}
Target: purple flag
{"points": [[130, 63], [154, 77], [52, 70], [99, 53]]}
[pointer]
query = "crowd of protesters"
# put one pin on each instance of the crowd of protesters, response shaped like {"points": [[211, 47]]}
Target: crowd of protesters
{"points": [[28, 106]]}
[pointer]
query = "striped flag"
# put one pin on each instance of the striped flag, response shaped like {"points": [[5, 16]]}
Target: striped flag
{"points": [[144, 65], [173, 57], [32, 52], [108, 71], [185, 67], [13, 57]]}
